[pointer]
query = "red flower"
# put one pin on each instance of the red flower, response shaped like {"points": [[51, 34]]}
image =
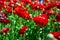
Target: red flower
{"points": [[5, 30], [37, 6], [58, 5], [48, 12], [1, 4], [58, 17], [34, 6], [12, 4], [25, 15], [41, 20], [22, 3], [11, 0], [41, 6], [22, 30], [54, 35], [9, 9], [20, 11], [49, 6], [7, 0], [15, 1], [27, 1], [5, 21]]}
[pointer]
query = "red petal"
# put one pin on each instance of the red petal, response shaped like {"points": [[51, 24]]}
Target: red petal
{"points": [[5, 21], [5, 30]]}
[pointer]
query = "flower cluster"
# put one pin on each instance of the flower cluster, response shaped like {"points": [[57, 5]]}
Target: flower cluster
{"points": [[17, 7], [20, 11]]}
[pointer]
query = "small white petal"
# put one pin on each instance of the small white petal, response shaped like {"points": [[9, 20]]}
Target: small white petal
{"points": [[50, 36]]}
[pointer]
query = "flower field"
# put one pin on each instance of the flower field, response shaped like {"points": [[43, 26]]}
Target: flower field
{"points": [[28, 20]]}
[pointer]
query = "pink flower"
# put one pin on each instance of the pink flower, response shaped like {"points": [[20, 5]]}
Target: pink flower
{"points": [[2, 16]]}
